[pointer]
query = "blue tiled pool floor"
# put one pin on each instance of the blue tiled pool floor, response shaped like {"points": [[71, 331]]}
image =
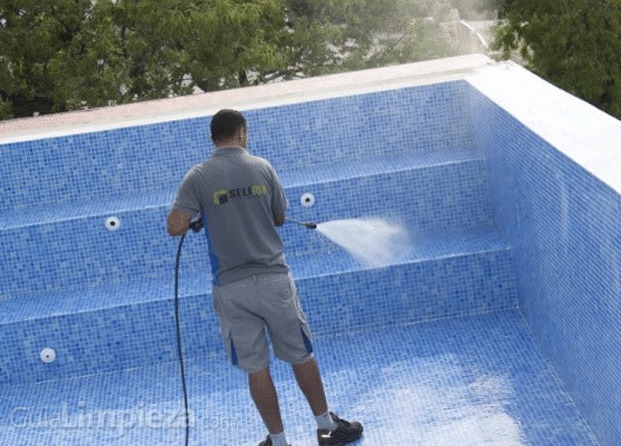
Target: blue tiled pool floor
{"points": [[478, 380]]}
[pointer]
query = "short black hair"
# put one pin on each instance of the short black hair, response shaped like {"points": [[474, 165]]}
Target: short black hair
{"points": [[225, 123]]}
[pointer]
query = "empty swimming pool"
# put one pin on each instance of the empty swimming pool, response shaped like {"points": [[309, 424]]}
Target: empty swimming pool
{"points": [[500, 326]]}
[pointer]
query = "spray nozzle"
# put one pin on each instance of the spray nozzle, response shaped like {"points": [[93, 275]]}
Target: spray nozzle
{"points": [[308, 224]]}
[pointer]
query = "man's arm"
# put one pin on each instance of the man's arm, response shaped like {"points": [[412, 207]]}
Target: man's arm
{"points": [[279, 199], [178, 222]]}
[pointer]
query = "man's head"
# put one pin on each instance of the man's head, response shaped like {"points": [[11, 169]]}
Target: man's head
{"points": [[228, 128]]}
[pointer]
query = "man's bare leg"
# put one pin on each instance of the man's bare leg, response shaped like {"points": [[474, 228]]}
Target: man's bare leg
{"points": [[309, 380], [265, 398]]}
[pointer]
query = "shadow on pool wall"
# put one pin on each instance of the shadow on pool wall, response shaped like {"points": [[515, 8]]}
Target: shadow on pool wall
{"points": [[564, 225]]}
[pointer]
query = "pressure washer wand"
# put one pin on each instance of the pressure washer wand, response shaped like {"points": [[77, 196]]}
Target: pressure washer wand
{"points": [[308, 224]]}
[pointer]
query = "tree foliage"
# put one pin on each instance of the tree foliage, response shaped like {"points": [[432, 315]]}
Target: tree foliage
{"points": [[341, 35], [575, 44], [65, 54], [69, 54]]}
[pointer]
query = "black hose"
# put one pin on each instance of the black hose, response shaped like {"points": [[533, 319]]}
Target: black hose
{"points": [[179, 346]]}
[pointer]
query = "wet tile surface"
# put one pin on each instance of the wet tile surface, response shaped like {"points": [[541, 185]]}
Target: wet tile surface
{"points": [[464, 381]]}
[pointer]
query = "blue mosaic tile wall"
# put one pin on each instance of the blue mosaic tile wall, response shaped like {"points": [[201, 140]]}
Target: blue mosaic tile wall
{"points": [[93, 167], [343, 130], [62, 189], [104, 299], [57, 192], [78, 253], [147, 159], [563, 224]]}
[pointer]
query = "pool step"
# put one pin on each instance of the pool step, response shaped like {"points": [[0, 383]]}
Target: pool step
{"points": [[126, 326], [317, 174], [47, 255]]}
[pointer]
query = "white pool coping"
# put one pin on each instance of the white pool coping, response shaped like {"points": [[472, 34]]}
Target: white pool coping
{"points": [[583, 133]]}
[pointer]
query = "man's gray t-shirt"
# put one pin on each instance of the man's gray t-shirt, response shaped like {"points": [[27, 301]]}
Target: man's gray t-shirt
{"points": [[238, 196]]}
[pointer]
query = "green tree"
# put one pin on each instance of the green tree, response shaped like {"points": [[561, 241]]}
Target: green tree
{"points": [[30, 31], [575, 44], [68, 54], [328, 36]]}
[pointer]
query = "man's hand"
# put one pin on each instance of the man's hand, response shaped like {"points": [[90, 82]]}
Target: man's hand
{"points": [[279, 220], [178, 222]]}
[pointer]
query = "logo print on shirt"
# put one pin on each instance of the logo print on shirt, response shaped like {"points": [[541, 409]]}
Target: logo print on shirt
{"points": [[223, 196]]}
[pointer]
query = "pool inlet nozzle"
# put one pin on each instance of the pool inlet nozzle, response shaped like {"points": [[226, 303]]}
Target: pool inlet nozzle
{"points": [[308, 224]]}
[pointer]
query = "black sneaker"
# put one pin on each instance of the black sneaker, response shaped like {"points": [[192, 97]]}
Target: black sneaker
{"points": [[267, 442], [343, 434]]}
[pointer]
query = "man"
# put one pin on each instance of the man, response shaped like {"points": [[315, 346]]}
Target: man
{"points": [[241, 201]]}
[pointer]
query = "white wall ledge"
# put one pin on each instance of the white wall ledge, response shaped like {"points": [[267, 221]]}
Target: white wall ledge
{"points": [[585, 134]]}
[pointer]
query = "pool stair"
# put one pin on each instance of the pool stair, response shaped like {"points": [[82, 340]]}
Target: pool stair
{"points": [[124, 310]]}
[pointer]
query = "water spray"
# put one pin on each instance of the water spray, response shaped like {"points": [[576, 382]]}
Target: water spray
{"points": [[308, 224]]}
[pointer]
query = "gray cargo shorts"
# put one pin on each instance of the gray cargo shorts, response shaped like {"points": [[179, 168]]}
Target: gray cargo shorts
{"points": [[248, 307]]}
